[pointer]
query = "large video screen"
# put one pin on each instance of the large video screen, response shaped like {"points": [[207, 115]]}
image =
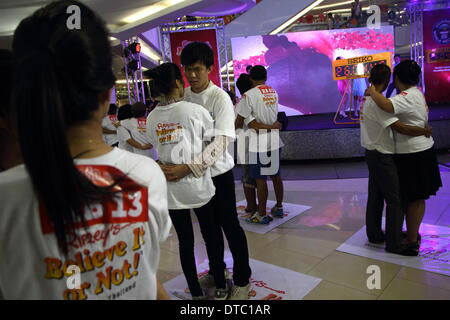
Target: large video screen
{"points": [[299, 64]]}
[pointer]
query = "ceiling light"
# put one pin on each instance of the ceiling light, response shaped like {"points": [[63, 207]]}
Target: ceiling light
{"points": [[149, 51], [150, 10], [144, 13], [339, 11], [334, 5], [344, 10], [296, 17]]}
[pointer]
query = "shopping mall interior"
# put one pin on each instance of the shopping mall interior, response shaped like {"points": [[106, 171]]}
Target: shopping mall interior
{"points": [[317, 59]]}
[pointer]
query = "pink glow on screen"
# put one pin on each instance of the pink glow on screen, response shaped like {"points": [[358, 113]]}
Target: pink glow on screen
{"points": [[299, 63]]}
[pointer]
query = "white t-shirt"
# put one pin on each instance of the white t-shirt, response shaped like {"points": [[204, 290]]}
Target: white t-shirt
{"points": [[219, 105], [178, 131], [242, 136], [118, 253], [261, 104], [107, 123], [138, 131], [411, 108], [376, 133], [123, 135]]}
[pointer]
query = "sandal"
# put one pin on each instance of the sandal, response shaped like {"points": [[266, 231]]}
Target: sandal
{"points": [[255, 220]]}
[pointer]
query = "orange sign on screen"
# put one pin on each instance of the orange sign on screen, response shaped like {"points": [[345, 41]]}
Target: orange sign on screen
{"points": [[359, 67]]}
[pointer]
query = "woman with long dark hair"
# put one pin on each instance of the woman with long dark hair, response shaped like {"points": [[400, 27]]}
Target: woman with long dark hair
{"points": [[178, 130], [77, 206], [415, 157]]}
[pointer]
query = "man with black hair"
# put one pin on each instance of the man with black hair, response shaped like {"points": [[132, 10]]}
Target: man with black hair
{"points": [[244, 84], [197, 59], [260, 109], [377, 139]]}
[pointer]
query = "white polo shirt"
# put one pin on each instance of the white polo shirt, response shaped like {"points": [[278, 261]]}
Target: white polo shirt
{"points": [[107, 123], [261, 104], [123, 135], [178, 131], [117, 253], [219, 105], [376, 133], [137, 127], [411, 108]]}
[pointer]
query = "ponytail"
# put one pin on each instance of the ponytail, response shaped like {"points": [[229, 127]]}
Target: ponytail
{"points": [[164, 78], [408, 72], [63, 190], [49, 95]]}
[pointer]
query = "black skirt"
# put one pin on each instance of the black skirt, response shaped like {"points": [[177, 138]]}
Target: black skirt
{"points": [[419, 175]]}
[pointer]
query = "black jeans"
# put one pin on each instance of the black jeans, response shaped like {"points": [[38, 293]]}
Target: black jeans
{"points": [[182, 222], [384, 185], [225, 213]]}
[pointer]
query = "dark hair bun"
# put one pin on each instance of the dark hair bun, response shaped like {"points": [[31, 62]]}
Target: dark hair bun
{"points": [[380, 74], [408, 72], [164, 78], [152, 73]]}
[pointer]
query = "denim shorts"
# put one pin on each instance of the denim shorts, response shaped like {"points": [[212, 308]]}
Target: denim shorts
{"points": [[246, 179], [267, 164]]}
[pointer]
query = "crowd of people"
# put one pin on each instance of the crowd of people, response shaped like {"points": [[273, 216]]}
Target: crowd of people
{"points": [[356, 19], [90, 185], [400, 155]]}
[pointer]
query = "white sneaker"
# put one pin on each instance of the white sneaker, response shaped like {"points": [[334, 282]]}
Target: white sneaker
{"points": [[240, 293], [207, 281]]}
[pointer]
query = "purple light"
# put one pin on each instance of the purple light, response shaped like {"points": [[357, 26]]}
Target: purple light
{"points": [[225, 8]]}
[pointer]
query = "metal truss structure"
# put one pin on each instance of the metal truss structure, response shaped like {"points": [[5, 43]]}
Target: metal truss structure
{"points": [[216, 24], [416, 37], [416, 10], [135, 83]]}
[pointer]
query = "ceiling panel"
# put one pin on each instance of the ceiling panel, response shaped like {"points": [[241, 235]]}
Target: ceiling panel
{"points": [[112, 11]]}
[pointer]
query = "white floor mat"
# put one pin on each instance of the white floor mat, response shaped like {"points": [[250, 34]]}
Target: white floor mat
{"points": [[290, 211], [434, 253], [269, 282]]}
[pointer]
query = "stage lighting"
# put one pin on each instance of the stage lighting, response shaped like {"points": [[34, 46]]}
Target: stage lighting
{"points": [[135, 47], [392, 14]]}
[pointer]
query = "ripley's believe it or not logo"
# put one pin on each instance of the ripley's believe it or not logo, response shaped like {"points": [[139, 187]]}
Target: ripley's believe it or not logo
{"points": [[441, 31]]}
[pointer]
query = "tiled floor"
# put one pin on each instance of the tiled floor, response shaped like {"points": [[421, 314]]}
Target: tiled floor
{"points": [[307, 243], [333, 169]]}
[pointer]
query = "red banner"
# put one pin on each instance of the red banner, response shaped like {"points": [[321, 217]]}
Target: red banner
{"points": [[436, 47], [178, 40]]}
